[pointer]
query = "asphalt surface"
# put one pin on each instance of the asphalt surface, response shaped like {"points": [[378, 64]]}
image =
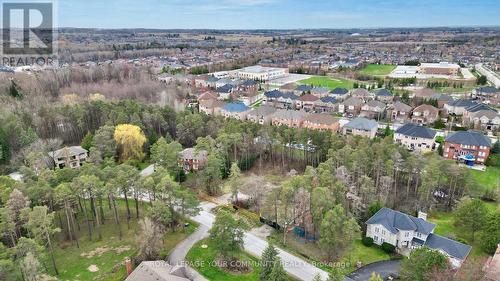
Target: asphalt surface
{"points": [[384, 268], [254, 245]]}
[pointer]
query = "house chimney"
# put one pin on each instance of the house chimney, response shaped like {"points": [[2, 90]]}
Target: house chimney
{"points": [[128, 265], [422, 215]]}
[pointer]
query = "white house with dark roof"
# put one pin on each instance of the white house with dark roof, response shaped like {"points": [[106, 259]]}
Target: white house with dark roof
{"points": [[407, 232]]}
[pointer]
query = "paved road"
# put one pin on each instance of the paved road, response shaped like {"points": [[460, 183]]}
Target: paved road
{"points": [[254, 245], [384, 268]]}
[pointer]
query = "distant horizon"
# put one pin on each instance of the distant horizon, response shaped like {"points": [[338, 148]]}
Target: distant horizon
{"points": [[276, 14], [285, 29]]}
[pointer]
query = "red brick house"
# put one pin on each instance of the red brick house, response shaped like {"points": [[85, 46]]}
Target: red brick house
{"points": [[468, 147]]}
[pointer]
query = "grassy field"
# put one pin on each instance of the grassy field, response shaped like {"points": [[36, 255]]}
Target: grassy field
{"points": [[108, 253], [487, 180], [377, 69], [203, 261], [327, 82], [445, 226], [312, 252]]}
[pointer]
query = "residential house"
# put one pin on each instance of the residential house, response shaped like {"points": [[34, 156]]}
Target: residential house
{"points": [[159, 271], [235, 110], [339, 93], [207, 96], [287, 100], [71, 157], [262, 115], [290, 118], [303, 89], [425, 114], [362, 93], [415, 138], [469, 147], [361, 127], [399, 112], [457, 107], [225, 91], [351, 106], [271, 97], [222, 82], [487, 120], [488, 94], [325, 104], [384, 95], [192, 160], [373, 109], [249, 98], [306, 102], [211, 106], [320, 92], [321, 121], [407, 232], [442, 99], [248, 86]]}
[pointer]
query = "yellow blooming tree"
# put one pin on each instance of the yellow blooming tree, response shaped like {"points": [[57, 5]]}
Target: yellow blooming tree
{"points": [[130, 140]]}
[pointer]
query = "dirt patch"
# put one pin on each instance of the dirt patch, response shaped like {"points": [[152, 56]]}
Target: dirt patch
{"points": [[97, 252], [122, 249], [234, 265], [262, 232], [93, 268]]}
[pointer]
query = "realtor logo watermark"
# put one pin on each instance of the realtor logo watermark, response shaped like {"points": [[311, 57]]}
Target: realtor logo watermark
{"points": [[28, 33]]}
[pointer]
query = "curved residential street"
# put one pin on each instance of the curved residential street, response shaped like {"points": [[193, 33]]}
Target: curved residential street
{"points": [[254, 245]]}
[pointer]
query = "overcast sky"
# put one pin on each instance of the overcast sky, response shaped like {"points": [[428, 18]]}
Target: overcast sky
{"points": [[278, 14]]}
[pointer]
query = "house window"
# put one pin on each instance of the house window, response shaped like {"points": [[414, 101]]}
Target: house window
{"points": [[382, 240], [407, 234], [383, 232], [375, 238], [376, 229], [419, 235]]}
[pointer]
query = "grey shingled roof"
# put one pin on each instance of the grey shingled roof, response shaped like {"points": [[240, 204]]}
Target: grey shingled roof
{"points": [[451, 247], [416, 131], [469, 138], [394, 221], [361, 123], [478, 107], [67, 151], [264, 110], [462, 103]]}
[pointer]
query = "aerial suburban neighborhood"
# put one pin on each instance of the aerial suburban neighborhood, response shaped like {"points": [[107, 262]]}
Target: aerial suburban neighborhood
{"points": [[250, 140]]}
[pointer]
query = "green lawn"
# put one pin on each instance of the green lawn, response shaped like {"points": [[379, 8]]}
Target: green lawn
{"points": [[203, 261], [377, 69], [327, 82], [445, 227], [312, 253], [363, 254], [487, 180], [109, 253]]}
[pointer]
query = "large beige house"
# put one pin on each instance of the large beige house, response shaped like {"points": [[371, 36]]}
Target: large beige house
{"points": [[72, 157], [415, 138], [361, 127]]}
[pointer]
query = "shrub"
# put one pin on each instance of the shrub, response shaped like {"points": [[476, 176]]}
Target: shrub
{"points": [[367, 241], [388, 248]]}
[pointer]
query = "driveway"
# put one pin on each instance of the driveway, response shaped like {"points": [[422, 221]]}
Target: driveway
{"points": [[384, 268], [254, 245]]}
